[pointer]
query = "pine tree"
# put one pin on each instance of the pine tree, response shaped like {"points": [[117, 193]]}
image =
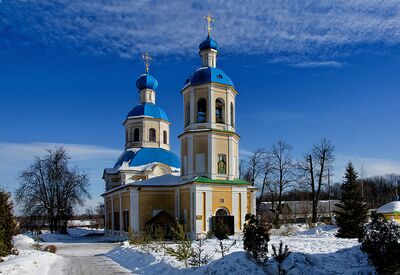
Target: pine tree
{"points": [[256, 238], [352, 213], [7, 224]]}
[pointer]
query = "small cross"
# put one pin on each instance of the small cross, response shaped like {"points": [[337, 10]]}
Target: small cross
{"points": [[209, 20], [146, 58]]}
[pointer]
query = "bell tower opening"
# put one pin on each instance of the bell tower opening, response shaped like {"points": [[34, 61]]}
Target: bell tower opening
{"points": [[220, 111]]}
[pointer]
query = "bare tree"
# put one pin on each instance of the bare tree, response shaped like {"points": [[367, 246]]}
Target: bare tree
{"points": [[50, 188], [314, 167], [282, 171], [255, 166], [244, 171], [266, 170]]}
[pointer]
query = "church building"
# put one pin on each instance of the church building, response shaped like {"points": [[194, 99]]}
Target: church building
{"points": [[149, 185]]}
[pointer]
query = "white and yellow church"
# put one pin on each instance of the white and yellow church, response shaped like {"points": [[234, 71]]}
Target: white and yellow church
{"points": [[150, 185]]}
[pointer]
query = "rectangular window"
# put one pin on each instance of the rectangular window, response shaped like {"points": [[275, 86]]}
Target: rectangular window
{"points": [[185, 216], [125, 216], [116, 220]]}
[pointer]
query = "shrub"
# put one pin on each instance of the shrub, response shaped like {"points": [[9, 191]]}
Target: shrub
{"points": [[221, 233], [36, 245], [139, 238], [280, 256], [184, 249], [7, 224], [50, 248], [210, 234], [256, 238], [199, 256], [381, 241], [159, 234]]}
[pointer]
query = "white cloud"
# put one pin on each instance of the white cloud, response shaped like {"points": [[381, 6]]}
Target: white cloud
{"points": [[15, 157], [366, 166], [307, 28], [318, 64]]}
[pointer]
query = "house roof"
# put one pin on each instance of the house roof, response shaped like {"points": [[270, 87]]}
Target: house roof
{"points": [[391, 207]]}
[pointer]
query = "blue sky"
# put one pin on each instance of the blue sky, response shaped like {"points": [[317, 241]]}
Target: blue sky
{"points": [[303, 69]]}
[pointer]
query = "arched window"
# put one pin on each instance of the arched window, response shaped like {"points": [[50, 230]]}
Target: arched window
{"points": [[219, 111], [136, 135], [165, 137], [232, 116], [221, 212], [152, 135], [202, 110]]}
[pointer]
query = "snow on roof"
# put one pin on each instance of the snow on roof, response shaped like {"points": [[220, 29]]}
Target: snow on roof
{"points": [[139, 168], [390, 207], [164, 180]]}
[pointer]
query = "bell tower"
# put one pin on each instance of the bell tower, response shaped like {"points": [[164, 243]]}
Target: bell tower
{"points": [[209, 143], [147, 125]]}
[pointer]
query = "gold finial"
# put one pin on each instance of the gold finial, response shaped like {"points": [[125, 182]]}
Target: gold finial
{"points": [[146, 58], [209, 20]]}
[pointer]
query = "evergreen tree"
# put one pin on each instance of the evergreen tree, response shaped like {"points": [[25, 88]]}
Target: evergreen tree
{"points": [[7, 224], [256, 238], [352, 213], [381, 242]]}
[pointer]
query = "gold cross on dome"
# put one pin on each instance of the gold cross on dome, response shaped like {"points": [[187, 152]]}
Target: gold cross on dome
{"points": [[146, 58], [209, 20]]}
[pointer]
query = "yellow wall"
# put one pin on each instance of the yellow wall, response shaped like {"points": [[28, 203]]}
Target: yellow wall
{"points": [[125, 200], [248, 202], [116, 203], [125, 206], [224, 193], [184, 195], [184, 153], [201, 147], [392, 217], [150, 200]]}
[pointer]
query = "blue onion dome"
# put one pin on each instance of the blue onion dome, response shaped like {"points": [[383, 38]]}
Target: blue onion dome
{"points": [[146, 81], [208, 75], [209, 43], [147, 110], [145, 156]]}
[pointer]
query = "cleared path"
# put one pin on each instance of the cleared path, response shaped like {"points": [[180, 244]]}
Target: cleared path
{"points": [[86, 259]]}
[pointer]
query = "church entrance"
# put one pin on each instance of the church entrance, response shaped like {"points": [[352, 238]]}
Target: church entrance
{"points": [[222, 218], [221, 212]]}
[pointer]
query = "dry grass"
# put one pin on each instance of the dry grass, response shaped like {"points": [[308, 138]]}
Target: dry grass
{"points": [[50, 248]]}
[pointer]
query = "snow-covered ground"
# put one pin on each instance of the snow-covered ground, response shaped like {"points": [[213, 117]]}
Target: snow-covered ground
{"points": [[313, 251], [29, 261], [78, 235]]}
